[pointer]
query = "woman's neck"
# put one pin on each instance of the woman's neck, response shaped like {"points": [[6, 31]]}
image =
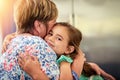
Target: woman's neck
{"points": [[18, 33]]}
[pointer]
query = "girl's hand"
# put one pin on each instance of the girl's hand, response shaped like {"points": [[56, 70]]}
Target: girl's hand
{"points": [[31, 65]]}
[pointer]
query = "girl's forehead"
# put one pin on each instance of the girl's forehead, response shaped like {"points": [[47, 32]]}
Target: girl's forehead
{"points": [[61, 30], [59, 27]]}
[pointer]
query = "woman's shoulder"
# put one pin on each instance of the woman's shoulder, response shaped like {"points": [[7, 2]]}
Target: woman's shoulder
{"points": [[31, 41], [28, 39]]}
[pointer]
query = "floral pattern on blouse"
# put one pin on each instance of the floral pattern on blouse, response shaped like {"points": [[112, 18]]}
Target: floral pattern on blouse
{"points": [[9, 67]]}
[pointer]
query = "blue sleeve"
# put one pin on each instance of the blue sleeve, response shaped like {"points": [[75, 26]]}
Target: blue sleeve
{"points": [[75, 76]]}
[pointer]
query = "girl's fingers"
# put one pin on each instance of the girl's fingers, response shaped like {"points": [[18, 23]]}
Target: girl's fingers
{"points": [[34, 58], [21, 62], [25, 59], [22, 57]]}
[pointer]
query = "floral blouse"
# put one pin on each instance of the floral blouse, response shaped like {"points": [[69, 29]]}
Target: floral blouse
{"points": [[9, 67]]}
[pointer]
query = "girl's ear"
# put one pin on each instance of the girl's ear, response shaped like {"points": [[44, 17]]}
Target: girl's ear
{"points": [[70, 49]]}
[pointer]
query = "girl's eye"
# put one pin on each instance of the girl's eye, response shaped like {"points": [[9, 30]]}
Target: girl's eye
{"points": [[58, 38]]}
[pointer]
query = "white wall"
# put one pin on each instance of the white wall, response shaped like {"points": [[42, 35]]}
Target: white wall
{"points": [[92, 17]]}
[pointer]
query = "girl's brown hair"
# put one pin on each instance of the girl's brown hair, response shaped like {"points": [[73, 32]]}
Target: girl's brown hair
{"points": [[75, 37]]}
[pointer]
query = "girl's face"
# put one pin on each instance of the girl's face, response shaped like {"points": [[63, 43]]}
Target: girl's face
{"points": [[58, 39]]}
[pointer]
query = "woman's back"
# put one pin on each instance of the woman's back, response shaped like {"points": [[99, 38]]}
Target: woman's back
{"points": [[9, 67]]}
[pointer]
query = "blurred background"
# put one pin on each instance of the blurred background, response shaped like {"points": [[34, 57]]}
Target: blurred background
{"points": [[98, 20]]}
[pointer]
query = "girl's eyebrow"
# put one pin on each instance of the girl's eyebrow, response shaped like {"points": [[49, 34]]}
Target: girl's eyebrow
{"points": [[60, 36], [57, 34]]}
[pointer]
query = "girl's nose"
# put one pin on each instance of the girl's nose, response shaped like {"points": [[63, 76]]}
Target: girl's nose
{"points": [[51, 38]]}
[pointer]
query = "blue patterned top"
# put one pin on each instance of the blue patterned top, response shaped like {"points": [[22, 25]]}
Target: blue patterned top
{"points": [[9, 67]]}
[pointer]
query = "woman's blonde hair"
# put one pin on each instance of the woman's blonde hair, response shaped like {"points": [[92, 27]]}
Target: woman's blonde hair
{"points": [[27, 11]]}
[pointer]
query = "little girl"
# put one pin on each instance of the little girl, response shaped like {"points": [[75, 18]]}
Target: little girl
{"points": [[65, 40]]}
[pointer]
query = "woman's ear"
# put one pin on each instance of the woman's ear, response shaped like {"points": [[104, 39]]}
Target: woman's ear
{"points": [[39, 28], [37, 25], [70, 49]]}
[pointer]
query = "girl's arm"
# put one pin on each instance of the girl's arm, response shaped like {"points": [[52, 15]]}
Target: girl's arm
{"points": [[65, 71], [100, 71], [77, 65], [31, 66], [78, 62]]}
